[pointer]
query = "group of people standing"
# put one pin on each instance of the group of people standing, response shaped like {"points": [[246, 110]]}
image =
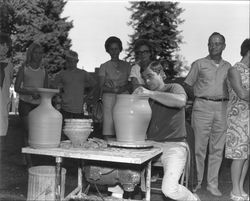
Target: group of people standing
{"points": [[220, 112]]}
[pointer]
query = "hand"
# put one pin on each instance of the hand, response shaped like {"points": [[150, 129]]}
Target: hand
{"points": [[142, 91], [109, 84]]}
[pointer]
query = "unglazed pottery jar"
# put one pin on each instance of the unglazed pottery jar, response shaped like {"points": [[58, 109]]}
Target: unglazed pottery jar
{"points": [[132, 114], [45, 122]]}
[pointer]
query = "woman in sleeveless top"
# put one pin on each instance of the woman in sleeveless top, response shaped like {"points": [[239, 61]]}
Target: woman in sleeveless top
{"points": [[30, 75]]}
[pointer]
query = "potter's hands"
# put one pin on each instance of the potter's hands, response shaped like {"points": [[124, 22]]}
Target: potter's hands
{"points": [[143, 91]]}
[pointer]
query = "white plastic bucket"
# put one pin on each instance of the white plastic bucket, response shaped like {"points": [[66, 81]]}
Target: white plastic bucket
{"points": [[41, 183]]}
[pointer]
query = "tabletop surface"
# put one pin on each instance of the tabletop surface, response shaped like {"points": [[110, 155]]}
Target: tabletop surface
{"points": [[111, 154]]}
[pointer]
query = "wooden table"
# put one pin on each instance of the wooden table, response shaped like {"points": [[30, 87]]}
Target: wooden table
{"points": [[108, 154]]}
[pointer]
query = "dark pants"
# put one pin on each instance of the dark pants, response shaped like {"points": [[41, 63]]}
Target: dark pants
{"points": [[24, 108]]}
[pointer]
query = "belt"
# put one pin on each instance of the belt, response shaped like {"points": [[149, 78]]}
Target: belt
{"points": [[214, 99]]}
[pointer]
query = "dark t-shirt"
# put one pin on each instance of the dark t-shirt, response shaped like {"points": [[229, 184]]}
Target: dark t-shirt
{"points": [[167, 123]]}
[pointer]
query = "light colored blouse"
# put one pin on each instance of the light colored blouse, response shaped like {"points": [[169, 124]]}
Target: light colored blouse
{"points": [[135, 72]]}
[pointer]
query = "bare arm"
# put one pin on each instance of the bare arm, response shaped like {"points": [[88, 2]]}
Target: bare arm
{"points": [[236, 83], [107, 86], [101, 83], [19, 81], [46, 80], [165, 98], [135, 83]]}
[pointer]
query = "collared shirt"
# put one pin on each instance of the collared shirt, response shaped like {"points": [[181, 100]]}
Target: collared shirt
{"points": [[207, 79]]}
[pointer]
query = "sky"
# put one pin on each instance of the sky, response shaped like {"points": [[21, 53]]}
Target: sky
{"points": [[94, 21]]}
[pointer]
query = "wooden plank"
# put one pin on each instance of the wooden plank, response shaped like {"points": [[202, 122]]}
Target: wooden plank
{"points": [[84, 197], [132, 156]]}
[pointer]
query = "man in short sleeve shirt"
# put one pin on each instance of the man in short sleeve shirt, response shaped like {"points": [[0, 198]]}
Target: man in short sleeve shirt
{"points": [[73, 82], [167, 129], [208, 79]]}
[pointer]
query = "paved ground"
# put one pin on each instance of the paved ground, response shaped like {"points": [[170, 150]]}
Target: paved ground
{"points": [[14, 174]]}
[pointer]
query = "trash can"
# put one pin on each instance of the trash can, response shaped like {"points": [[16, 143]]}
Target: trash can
{"points": [[41, 183]]}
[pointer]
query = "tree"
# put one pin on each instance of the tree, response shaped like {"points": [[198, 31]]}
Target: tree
{"points": [[40, 21], [158, 23], [6, 18]]}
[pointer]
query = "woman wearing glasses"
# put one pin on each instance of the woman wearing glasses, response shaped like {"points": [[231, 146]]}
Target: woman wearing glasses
{"points": [[144, 56]]}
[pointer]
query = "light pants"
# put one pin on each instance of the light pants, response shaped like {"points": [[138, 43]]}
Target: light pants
{"points": [[174, 159], [109, 101], [209, 124], [4, 113]]}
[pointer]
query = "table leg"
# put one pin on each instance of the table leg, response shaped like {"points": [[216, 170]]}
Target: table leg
{"points": [[58, 179], [80, 176], [148, 181]]}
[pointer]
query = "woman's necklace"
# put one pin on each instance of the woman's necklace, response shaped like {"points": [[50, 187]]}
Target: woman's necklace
{"points": [[116, 65]]}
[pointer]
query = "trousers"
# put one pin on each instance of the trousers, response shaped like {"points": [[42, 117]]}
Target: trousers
{"points": [[209, 125], [174, 159]]}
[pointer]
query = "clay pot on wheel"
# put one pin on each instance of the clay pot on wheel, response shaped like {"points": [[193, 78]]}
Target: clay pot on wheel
{"points": [[132, 114], [45, 122]]}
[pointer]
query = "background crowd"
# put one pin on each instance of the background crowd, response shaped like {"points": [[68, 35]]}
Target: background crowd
{"points": [[220, 114]]}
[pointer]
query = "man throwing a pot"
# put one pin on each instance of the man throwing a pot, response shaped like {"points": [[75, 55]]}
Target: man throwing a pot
{"points": [[167, 129]]}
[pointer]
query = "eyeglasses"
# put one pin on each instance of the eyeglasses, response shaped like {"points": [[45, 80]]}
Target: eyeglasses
{"points": [[143, 52]]}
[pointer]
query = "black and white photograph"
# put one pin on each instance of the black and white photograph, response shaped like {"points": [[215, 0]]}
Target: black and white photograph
{"points": [[120, 100]]}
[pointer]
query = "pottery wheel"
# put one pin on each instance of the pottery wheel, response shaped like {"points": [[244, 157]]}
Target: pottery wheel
{"points": [[134, 145]]}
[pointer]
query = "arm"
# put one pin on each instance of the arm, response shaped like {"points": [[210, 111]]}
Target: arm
{"points": [[90, 85], [169, 99], [165, 98], [135, 83], [46, 80], [192, 74], [189, 90], [19, 81], [236, 83], [104, 84], [107, 86], [126, 87], [3, 65]]}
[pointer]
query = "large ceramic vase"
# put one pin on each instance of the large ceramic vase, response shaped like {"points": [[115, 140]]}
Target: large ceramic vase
{"points": [[45, 122], [132, 114]]}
